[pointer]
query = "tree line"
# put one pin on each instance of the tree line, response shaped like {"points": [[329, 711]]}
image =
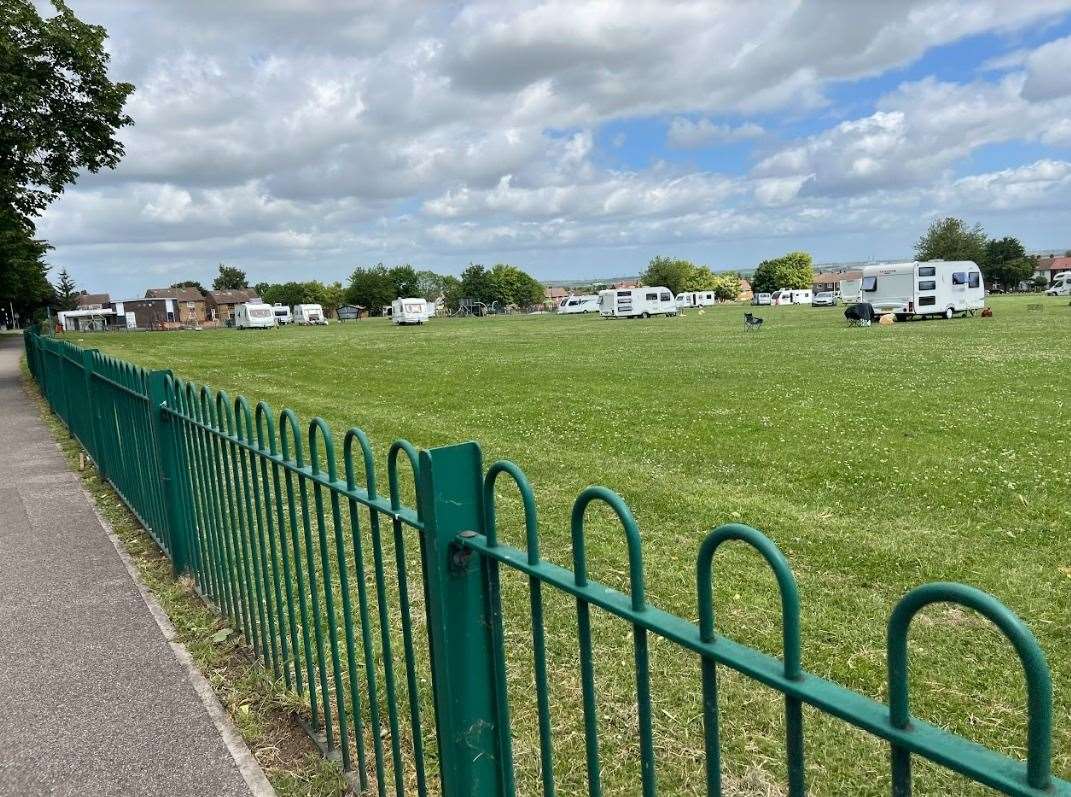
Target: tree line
{"points": [[683, 275], [1003, 261]]}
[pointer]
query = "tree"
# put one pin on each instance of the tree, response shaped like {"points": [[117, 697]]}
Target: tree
{"points": [[508, 284], [334, 297], [794, 270], [429, 285], [668, 273], [727, 286], [66, 292], [406, 282], [476, 283], [453, 291], [701, 279], [191, 284], [952, 239], [371, 288], [230, 278], [23, 271], [59, 112], [1006, 263]]}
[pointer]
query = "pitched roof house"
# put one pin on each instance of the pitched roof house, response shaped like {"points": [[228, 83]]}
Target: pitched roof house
{"points": [[93, 301], [220, 304], [190, 303]]}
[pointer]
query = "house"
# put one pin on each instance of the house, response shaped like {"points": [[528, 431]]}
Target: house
{"points": [[553, 296], [92, 301], [831, 280], [1052, 265], [148, 313], [219, 305], [746, 293], [190, 303]]}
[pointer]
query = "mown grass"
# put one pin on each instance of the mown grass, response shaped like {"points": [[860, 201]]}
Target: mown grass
{"points": [[877, 459]]}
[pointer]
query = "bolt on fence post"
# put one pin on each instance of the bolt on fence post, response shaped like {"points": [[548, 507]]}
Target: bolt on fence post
{"points": [[474, 757], [168, 467]]}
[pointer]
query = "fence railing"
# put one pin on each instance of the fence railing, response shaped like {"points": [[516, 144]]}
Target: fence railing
{"points": [[275, 532]]}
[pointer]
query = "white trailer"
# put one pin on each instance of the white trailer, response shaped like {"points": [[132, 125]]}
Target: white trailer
{"points": [[283, 316], [306, 314], [254, 315], [637, 302], [696, 299], [791, 296], [409, 311], [584, 303], [931, 288]]}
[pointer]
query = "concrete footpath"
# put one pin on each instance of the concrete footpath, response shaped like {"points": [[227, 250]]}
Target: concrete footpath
{"points": [[94, 698]]}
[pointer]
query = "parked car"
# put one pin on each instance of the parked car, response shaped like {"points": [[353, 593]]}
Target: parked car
{"points": [[825, 299], [762, 298]]}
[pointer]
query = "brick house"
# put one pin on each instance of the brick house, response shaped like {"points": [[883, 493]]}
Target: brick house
{"points": [[189, 303], [1049, 267], [149, 313], [219, 305], [93, 301]]}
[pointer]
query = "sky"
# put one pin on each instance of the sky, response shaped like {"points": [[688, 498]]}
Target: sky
{"points": [[297, 139]]}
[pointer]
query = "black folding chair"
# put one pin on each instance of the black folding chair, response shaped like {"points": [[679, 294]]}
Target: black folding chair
{"points": [[751, 323]]}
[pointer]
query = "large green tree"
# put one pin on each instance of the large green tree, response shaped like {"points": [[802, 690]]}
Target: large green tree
{"points": [[1006, 263], [66, 291], [476, 283], [59, 114], [951, 239], [406, 282], [371, 288], [229, 278], [794, 271], [669, 272]]}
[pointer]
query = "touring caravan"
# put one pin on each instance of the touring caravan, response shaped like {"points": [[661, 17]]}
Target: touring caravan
{"points": [[851, 290], [637, 302], [578, 304], [791, 296], [930, 288], [306, 314], [254, 315], [283, 316], [695, 299], [409, 311]]}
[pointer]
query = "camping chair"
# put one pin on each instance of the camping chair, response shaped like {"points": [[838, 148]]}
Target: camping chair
{"points": [[859, 315], [751, 323]]}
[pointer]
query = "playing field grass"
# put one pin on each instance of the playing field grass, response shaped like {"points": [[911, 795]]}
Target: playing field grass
{"points": [[877, 459]]}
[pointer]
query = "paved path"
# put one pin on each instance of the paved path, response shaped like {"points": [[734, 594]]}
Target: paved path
{"points": [[93, 697]]}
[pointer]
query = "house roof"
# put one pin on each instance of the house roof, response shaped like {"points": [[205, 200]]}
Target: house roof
{"points": [[624, 285], [231, 297], [86, 299], [1054, 264], [555, 293], [182, 294], [831, 277]]}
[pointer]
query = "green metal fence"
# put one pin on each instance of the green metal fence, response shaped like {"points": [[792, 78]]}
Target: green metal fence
{"points": [[255, 508]]}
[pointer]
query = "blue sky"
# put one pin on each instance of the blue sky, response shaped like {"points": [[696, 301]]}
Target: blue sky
{"points": [[298, 139]]}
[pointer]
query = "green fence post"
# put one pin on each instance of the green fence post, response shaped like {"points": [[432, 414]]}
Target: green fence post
{"points": [[92, 444], [468, 711], [168, 467]]}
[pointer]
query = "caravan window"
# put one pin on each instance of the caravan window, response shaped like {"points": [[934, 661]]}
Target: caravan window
{"points": [[927, 271], [974, 280], [928, 285], [624, 294], [666, 297], [959, 277], [927, 301], [870, 284], [652, 297]]}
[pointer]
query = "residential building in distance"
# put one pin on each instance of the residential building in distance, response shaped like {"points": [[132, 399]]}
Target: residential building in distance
{"points": [[189, 302], [93, 301], [220, 305]]}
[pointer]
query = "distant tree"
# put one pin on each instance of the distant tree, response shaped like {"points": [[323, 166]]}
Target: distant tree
{"points": [[1040, 281], [701, 279], [66, 292], [668, 273], [1067, 253], [951, 239], [508, 285], [406, 282], [727, 286], [288, 293], [23, 271], [794, 271], [230, 278], [191, 284], [371, 288], [59, 111], [476, 283], [334, 296], [429, 285], [314, 292], [1006, 263], [453, 291], [263, 289]]}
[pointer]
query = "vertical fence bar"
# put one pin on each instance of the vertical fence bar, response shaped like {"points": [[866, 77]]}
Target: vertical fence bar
{"points": [[460, 626], [177, 533]]}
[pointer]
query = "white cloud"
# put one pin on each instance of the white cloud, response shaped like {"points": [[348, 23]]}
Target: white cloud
{"points": [[686, 134]]}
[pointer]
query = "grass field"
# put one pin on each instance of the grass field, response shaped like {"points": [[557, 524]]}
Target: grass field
{"points": [[877, 459]]}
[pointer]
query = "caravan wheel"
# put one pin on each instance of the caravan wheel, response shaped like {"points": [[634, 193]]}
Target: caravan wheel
{"points": [[645, 315], [949, 313]]}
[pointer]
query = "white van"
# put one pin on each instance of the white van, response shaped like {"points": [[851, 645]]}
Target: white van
{"points": [[283, 316], [306, 314], [409, 311], [637, 302], [930, 288], [1061, 285], [696, 299], [578, 304], [791, 296], [254, 315]]}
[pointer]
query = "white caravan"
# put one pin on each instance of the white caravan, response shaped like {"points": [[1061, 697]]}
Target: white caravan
{"points": [[637, 302], [791, 296], [578, 304], [409, 311], [851, 290], [306, 314], [254, 315], [283, 316], [696, 299], [931, 288], [1061, 285]]}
